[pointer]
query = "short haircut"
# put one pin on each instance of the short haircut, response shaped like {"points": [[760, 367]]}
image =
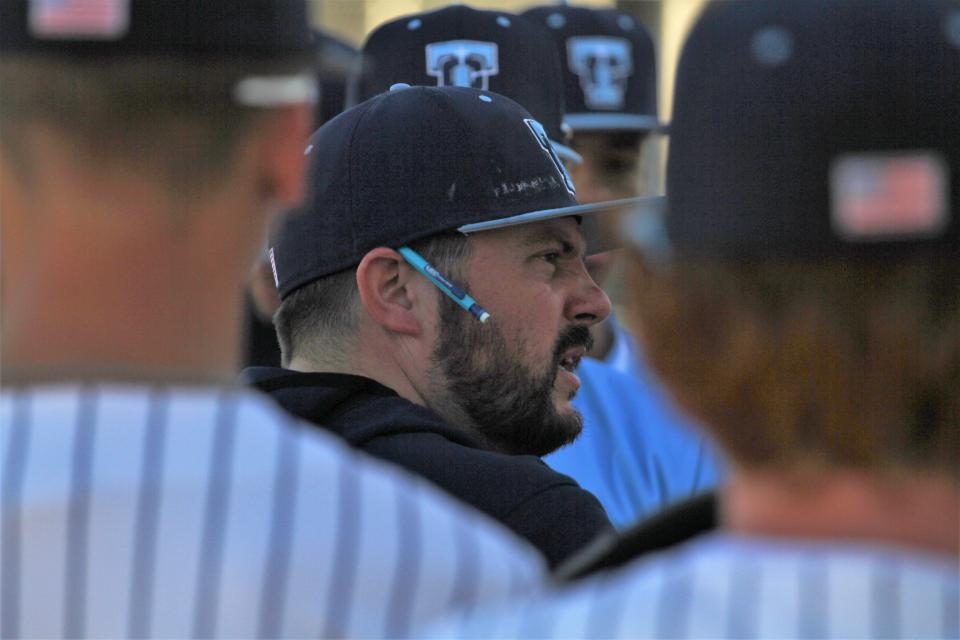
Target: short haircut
{"points": [[320, 318], [174, 117], [837, 363]]}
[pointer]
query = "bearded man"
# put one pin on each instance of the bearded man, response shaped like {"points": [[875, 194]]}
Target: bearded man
{"points": [[467, 396]]}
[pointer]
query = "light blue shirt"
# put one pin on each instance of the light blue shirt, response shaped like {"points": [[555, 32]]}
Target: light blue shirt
{"points": [[637, 454], [625, 354]]}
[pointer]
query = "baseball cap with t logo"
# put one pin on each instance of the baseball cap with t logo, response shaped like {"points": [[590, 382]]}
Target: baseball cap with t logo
{"points": [[460, 46], [417, 161], [609, 67]]}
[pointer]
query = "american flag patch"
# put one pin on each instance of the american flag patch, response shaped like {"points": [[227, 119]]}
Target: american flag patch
{"points": [[80, 19], [887, 196]]}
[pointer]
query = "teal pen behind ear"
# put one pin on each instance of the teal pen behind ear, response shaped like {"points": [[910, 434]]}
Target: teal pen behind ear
{"points": [[454, 292]]}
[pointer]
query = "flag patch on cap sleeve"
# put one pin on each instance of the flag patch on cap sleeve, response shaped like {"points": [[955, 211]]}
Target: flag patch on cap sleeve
{"points": [[80, 19], [878, 196]]}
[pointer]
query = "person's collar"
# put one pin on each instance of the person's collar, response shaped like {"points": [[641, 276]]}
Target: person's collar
{"points": [[272, 378]]}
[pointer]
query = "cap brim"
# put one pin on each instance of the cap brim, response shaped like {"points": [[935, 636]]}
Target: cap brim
{"points": [[614, 122], [599, 236], [566, 153], [276, 91]]}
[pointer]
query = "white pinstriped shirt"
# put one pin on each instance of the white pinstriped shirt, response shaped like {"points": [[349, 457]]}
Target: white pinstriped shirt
{"points": [[136, 511], [721, 586]]}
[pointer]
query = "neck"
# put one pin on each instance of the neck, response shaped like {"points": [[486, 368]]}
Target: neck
{"points": [[919, 511], [138, 316], [381, 365], [374, 359], [111, 272]]}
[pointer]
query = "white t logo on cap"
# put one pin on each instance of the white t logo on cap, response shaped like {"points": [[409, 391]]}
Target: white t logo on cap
{"points": [[603, 64], [541, 136], [462, 63]]}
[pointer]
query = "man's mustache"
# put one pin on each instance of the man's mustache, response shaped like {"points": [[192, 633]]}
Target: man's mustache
{"points": [[576, 336]]}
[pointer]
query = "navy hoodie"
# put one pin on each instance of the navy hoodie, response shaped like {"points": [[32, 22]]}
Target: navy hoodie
{"points": [[547, 508]]}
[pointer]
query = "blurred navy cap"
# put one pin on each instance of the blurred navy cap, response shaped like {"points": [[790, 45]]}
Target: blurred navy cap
{"points": [[813, 128], [609, 67], [255, 28], [466, 47], [336, 60], [252, 30], [414, 162]]}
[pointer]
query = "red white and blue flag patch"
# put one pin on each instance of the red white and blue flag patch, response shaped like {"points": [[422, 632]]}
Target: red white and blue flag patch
{"points": [[877, 196], [79, 19]]}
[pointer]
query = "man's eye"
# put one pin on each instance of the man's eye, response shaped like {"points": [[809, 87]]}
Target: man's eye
{"points": [[553, 257]]}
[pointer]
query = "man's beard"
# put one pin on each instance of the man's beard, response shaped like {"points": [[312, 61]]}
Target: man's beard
{"points": [[508, 404]]}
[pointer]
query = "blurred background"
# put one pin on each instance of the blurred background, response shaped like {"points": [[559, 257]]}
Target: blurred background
{"points": [[667, 20]]}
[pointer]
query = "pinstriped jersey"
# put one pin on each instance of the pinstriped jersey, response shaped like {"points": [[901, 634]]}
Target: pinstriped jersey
{"points": [[722, 586], [136, 511]]}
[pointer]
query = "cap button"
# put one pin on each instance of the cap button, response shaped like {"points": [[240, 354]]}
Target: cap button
{"points": [[399, 86]]}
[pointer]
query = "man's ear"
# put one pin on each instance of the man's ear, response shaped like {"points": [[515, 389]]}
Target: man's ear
{"points": [[384, 281], [283, 161]]}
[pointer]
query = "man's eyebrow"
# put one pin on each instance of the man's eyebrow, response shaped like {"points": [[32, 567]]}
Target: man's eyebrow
{"points": [[546, 235]]}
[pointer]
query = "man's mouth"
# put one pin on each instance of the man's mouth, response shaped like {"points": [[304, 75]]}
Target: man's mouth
{"points": [[572, 346], [570, 359]]}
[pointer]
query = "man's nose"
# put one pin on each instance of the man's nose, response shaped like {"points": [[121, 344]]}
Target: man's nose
{"points": [[588, 303]]}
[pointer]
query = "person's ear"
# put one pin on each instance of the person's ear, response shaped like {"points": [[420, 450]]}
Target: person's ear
{"points": [[283, 161], [385, 281]]}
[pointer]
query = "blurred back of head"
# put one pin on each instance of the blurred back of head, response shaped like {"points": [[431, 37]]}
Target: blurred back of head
{"points": [[139, 141], [164, 87], [175, 119], [803, 365], [809, 313]]}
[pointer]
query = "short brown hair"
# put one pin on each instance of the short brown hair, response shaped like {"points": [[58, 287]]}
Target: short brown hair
{"points": [[175, 117], [324, 312], [836, 363]]}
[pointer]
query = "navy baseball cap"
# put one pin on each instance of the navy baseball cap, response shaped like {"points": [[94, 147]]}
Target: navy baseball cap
{"points": [[258, 30], [609, 67], [417, 161], [815, 128], [466, 47], [336, 60]]}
